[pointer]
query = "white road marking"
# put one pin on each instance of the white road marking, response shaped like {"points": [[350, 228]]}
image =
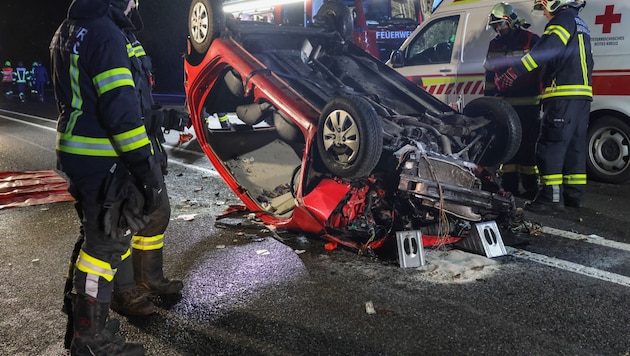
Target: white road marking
{"points": [[570, 266], [593, 239], [28, 123], [170, 160]]}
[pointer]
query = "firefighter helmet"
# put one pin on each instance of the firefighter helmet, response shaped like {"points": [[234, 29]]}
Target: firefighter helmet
{"points": [[7, 63], [553, 5], [503, 12]]}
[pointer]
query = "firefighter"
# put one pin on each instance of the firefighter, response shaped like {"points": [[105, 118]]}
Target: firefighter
{"points": [[7, 79], [564, 54], [146, 264], [40, 80], [513, 40], [103, 148], [21, 78]]}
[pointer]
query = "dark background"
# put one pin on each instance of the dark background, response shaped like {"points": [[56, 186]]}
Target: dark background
{"points": [[26, 28]]}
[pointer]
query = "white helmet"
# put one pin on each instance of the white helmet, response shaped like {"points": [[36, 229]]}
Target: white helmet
{"points": [[503, 12], [553, 5]]}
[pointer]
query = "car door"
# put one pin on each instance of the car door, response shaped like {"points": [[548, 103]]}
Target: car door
{"points": [[431, 57]]}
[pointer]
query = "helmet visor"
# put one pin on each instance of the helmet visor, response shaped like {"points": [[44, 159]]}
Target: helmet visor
{"points": [[538, 6]]}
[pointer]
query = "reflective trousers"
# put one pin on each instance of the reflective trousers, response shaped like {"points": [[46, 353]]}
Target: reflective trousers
{"points": [[561, 150]]}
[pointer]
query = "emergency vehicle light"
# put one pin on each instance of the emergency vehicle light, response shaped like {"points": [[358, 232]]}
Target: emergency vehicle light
{"points": [[245, 6]]}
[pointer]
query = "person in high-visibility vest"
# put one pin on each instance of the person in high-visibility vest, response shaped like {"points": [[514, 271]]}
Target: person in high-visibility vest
{"points": [[40, 79], [143, 274], [564, 52], [104, 150], [512, 40], [7, 78], [21, 77]]}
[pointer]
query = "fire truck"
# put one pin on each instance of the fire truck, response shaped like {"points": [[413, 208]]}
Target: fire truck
{"points": [[377, 26]]}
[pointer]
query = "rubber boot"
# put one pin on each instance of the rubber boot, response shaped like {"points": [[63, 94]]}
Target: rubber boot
{"points": [[530, 183], [91, 337], [147, 266], [509, 182]]}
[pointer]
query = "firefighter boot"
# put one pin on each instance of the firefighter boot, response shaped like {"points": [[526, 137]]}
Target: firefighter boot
{"points": [[132, 302], [91, 337], [530, 183], [147, 266], [509, 182], [127, 299]]}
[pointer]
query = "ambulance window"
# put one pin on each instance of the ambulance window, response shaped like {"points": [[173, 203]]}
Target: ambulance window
{"points": [[434, 45]]}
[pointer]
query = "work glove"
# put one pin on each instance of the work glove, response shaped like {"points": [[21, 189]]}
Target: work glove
{"points": [[133, 206], [148, 176], [505, 80]]}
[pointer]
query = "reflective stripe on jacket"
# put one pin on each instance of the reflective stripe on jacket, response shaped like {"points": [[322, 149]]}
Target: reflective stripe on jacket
{"points": [[564, 53], [95, 89]]}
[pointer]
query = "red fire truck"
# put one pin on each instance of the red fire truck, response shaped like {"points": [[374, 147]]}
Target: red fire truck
{"points": [[378, 26]]}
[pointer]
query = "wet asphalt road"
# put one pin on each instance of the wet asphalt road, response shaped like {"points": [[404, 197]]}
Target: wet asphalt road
{"points": [[249, 291]]}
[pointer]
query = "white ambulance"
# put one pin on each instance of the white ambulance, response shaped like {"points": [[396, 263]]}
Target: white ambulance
{"points": [[445, 56]]}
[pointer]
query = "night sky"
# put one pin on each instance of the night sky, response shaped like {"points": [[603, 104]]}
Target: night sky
{"points": [[26, 28]]}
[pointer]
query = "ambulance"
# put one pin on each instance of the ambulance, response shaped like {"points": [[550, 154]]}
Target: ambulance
{"points": [[445, 56]]}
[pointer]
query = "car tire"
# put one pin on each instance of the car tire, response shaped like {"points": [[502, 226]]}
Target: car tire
{"points": [[206, 20], [349, 137], [506, 126], [336, 15], [608, 158]]}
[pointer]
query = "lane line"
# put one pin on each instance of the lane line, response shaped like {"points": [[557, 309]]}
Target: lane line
{"points": [[27, 115], [170, 160], [592, 239], [28, 123], [570, 266]]}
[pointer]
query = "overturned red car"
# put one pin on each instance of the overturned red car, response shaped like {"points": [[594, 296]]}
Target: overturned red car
{"points": [[326, 139]]}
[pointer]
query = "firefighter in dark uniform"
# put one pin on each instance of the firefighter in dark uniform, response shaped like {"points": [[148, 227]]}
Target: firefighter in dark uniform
{"points": [[564, 53], [147, 244], [103, 148], [511, 43]]}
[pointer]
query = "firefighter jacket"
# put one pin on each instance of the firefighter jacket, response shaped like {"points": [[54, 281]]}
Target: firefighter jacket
{"points": [[94, 87], [141, 66], [7, 74], [505, 52], [564, 52]]}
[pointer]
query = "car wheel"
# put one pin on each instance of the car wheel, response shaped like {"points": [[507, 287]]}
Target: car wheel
{"points": [[504, 133], [608, 158], [337, 16], [349, 137], [205, 23]]}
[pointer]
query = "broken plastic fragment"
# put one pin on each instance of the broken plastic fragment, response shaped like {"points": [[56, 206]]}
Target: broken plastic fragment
{"points": [[369, 307], [262, 252]]}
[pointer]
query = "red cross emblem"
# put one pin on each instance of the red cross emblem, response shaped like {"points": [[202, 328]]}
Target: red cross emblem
{"points": [[608, 19]]}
